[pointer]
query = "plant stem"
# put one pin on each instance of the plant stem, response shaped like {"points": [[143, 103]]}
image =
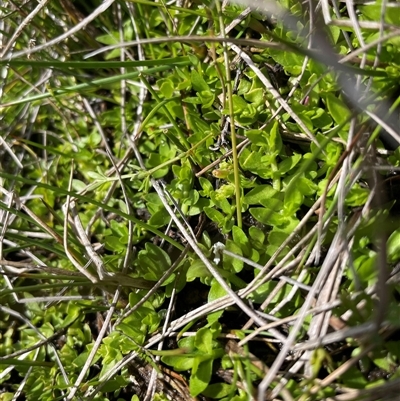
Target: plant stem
{"points": [[238, 191]]}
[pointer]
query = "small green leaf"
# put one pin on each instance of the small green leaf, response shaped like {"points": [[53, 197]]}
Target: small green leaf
{"points": [[78, 185], [203, 341], [274, 137], [7, 396], [198, 82], [119, 228], [240, 239], [197, 270], [321, 119], [199, 206], [357, 196], [253, 161], [277, 237], [255, 96], [239, 104], [373, 13], [134, 333], [113, 243], [334, 32], [256, 234], [114, 384], [393, 246], [214, 316], [215, 215], [231, 263], [167, 87], [193, 59], [288, 163], [218, 390], [97, 176], [179, 362], [366, 268], [151, 319], [244, 87], [258, 296], [257, 137], [160, 218], [222, 203], [306, 186], [207, 187], [337, 108], [207, 98], [152, 262], [353, 378], [193, 100], [383, 361], [293, 200], [248, 116], [225, 191], [216, 291], [259, 193], [109, 39], [201, 375]]}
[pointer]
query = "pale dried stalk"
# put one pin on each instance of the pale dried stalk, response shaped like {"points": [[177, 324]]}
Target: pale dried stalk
{"points": [[106, 4], [91, 253], [69, 255], [21, 26]]}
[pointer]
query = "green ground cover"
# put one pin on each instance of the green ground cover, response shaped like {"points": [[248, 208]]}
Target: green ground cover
{"points": [[199, 201]]}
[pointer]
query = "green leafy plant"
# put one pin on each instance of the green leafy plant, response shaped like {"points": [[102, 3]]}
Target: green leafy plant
{"points": [[199, 200]]}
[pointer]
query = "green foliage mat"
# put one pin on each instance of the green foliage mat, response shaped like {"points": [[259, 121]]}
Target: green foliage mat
{"points": [[199, 200]]}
